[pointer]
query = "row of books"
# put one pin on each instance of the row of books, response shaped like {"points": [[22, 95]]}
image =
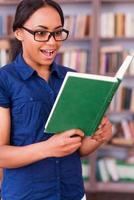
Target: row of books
{"points": [[123, 100], [74, 58], [122, 127], [111, 58], [111, 169], [123, 133], [78, 25], [6, 25], [117, 25]]}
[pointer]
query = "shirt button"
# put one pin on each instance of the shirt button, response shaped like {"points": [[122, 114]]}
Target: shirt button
{"points": [[31, 99], [57, 161]]}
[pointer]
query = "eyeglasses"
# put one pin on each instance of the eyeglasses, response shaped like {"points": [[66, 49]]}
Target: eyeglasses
{"points": [[44, 36]]}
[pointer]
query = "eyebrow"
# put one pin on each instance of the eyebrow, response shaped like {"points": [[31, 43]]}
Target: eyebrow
{"points": [[44, 27]]}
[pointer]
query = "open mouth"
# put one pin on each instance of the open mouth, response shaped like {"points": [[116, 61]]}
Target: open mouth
{"points": [[48, 52]]}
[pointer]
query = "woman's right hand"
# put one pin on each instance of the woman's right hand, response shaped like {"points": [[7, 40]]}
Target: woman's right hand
{"points": [[64, 143]]}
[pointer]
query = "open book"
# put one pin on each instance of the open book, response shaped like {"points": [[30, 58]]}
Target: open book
{"points": [[83, 100]]}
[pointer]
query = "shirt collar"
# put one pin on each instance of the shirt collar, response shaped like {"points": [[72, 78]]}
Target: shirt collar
{"points": [[26, 71], [22, 68], [57, 69]]}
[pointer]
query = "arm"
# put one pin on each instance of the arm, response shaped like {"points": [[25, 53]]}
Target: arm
{"points": [[103, 134], [13, 156]]}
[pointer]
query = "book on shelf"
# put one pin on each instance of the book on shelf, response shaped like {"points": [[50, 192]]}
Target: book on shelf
{"points": [[86, 169], [125, 129], [107, 20], [110, 58], [79, 25], [129, 25], [76, 59], [111, 168], [83, 100], [116, 170], [102, 173], [125, 171], [117, 24]]}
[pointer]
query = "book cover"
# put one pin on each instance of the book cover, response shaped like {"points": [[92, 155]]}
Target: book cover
{"points": [[83, 100]]}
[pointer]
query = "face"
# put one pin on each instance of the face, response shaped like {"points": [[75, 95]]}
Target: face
{"points": [[40, 54]]}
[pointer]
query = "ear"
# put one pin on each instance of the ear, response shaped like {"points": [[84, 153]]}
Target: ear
{"points": [[19, 34]]}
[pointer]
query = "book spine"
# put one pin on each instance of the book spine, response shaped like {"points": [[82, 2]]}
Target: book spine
{"points": [[105, 105]]}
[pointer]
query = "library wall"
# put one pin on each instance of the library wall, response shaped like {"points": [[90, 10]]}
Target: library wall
{"points": [[75, 52], [101, 35]]}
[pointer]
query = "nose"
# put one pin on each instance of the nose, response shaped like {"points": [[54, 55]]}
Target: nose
{"points": [[51, 39]]}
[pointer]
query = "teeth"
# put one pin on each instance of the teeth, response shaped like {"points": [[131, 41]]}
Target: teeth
{"points": [[49, 51]]}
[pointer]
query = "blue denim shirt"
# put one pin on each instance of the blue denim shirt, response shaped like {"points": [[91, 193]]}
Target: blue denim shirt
{"points": [[30, 99]]}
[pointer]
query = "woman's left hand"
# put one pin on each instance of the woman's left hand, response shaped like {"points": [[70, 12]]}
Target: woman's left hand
{"points": [[104, 132]]}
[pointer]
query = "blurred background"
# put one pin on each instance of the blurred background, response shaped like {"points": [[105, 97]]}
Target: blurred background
{"points": [[101, 36]]}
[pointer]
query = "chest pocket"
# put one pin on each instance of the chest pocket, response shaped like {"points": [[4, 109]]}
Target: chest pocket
{"points": [[26, 94], [30, 110]]}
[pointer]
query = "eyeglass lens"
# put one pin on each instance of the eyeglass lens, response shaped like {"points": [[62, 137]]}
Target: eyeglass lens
{"points": [[45, 35]]}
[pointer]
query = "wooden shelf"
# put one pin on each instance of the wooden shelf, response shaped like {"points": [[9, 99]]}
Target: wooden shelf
{"points": [[110, 187], [117, 1], [79, 39], [115, 187], [94, 42], [113, 147], [8, 3], [117, 38]]}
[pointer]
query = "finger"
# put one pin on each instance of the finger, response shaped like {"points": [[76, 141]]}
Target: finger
{"points": [[100, 139], [74, 147], [105, 125], [97, 136], [75, 132], [104, 121], [73, 140], [103, 133], [98, 132]]}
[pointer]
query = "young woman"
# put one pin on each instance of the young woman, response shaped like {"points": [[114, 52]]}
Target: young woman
{"points": [[39, 166]]}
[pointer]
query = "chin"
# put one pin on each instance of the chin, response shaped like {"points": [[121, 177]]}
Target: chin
{"points": [[47, 63]]}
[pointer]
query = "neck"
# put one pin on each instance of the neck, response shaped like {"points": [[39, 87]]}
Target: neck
{"points": [[42, 71]]}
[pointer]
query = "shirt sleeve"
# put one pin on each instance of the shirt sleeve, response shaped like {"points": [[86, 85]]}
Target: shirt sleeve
{"points": [[4, 97]]}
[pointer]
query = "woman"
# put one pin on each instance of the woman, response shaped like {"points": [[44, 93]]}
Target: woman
{"points": [[39, 166]]}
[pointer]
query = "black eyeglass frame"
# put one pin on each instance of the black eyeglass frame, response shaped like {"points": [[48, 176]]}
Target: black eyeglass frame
{"points": [[50, 34]]}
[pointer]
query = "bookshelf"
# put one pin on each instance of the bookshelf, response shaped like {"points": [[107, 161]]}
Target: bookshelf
{"points": [[117, 16], [93, 44], [99, 186], [101, 43], [77, 20]]}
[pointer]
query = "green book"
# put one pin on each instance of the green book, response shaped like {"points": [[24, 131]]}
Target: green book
{"points": [[83, 100]]}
